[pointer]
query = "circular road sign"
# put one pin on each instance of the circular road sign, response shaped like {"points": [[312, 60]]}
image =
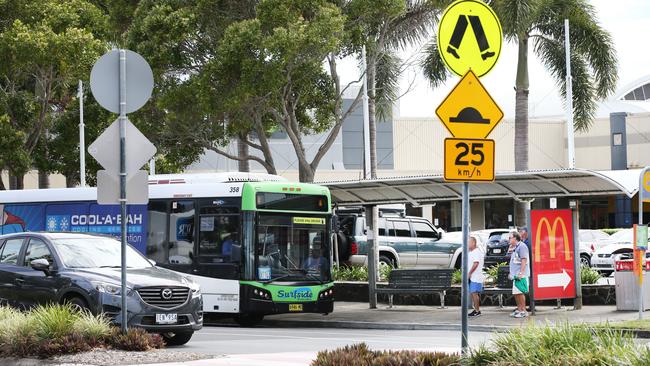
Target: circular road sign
{"points": [[469, 37], [105, 81]]}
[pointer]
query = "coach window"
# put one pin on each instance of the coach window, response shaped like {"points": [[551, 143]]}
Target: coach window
{"points": [[218, 233], [157, 232], [181, 232]]}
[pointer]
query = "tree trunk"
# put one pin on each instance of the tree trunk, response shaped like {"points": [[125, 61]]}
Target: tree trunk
{"points": [[16, 181], [2, 183], [43, 180], [521, 121], [242, 150], [71, 181], [306, 175], [372, 131]]}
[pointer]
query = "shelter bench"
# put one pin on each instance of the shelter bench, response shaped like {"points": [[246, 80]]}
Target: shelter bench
{"points": [[503, 285], [418, 281]]}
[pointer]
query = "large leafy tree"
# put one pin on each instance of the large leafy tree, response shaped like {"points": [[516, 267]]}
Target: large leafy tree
{"points": [[538, 25], [45, 47], [228, 69]]}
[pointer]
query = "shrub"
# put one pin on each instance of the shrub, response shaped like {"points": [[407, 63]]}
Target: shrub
{"points": [[135, 339], [457, 277], [54, 321], [589, 275], [493, 272], [559, 345], [356, 273], [59, 329], [361, 355]]}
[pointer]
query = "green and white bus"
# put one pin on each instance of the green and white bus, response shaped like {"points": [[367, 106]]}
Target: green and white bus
{"points": [[256, 243]]}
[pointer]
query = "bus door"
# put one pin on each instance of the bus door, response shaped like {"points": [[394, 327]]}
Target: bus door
{"points": [[219, 244]]}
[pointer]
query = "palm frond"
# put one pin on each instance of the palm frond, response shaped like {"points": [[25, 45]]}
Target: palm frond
{"points": [[433, 66], [587, 38], [552, 55], [415, 24], [387, 74], [516, 16]]}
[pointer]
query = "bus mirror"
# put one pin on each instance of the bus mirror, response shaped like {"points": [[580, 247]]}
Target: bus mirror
{"points": [[235, 253]]}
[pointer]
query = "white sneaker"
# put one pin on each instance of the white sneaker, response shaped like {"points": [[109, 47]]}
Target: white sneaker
{"points": [[514, 313], [521, 314]]}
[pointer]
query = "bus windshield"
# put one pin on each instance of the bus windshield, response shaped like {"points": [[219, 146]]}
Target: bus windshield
{"points": [[292, 248]]}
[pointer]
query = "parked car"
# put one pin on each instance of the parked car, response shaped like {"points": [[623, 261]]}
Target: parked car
{"points": [[404, 241], [497, 247], [621, 243], [84, 271], [594, 239]]}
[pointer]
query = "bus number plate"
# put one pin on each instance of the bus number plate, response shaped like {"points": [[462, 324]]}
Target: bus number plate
{"points": [[295, 307]]}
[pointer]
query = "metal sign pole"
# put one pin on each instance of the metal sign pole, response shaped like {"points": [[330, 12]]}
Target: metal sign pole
{"points": [[577, 302], [123, 181], [465, 262], [82, 139]]}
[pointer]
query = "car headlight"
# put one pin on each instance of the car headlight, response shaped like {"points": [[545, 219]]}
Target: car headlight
{"points": [[108, 288]]}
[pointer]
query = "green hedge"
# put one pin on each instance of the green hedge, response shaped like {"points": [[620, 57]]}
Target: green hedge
{"points": [[52, 330], [356, 273], [562, 345]]}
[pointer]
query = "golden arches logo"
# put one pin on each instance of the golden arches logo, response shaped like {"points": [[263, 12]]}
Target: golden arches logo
{"points": [[551, 237], [646, 181]]}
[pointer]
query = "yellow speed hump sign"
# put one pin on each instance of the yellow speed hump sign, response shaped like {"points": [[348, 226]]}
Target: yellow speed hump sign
{"points": [[469, 37], [469, 111]]}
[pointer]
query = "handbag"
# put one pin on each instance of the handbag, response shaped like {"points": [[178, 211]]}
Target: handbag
{"points": [[521, 284]]}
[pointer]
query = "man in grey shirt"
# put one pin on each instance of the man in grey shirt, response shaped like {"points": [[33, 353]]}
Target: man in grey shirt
{"points": [[519, 268]]}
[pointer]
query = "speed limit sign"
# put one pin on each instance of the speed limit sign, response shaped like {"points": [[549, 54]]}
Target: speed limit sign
{"points": [[469, 160]]}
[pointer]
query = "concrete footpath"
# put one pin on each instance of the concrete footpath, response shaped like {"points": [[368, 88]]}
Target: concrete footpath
{"points": [[406, 317]]}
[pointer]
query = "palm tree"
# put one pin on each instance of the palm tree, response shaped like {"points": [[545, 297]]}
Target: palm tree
{"points": [[593, 58], [384, 28]]}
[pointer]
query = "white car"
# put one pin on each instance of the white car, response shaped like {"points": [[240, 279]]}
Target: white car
{"points": [[620, 243], [594, 239]]}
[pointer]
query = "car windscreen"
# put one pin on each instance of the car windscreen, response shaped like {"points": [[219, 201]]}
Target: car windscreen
{"points": [[498, 237], [97, 252]]}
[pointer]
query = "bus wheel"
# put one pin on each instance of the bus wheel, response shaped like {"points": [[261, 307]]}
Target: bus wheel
{"points": [[176, 339], [249, 319]]}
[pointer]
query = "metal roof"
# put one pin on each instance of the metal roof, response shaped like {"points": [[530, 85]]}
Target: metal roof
{"points": [[427, 189]]}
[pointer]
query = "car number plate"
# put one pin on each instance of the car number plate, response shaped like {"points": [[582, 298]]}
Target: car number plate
{"points": [[166, 318], [295, 307], [496, 251]]}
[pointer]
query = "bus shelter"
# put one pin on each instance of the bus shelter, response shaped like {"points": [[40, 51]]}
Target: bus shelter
{"points": [[429, 189]]}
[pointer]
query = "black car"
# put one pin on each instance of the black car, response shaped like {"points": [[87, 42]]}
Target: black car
{"points": [[84, 270], [496, 248]]}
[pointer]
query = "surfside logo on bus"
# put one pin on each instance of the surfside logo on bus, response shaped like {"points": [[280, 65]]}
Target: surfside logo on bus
{"points": [[301, 293]]}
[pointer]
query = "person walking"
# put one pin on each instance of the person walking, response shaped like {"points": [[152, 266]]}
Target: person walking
{"points": [[519, 273], [476, 276]]}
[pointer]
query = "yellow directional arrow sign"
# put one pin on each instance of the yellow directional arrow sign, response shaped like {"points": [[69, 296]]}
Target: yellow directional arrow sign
{"points": [[469, 111], [469, 37]]}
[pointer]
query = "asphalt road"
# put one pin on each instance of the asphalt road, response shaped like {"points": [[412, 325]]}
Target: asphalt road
{"points": [[298, 346]]}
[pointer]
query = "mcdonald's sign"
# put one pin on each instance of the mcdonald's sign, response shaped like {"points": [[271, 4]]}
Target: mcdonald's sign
{"points": [[553, 254]]}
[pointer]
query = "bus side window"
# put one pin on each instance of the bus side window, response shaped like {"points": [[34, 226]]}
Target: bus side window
{"points": [[157, 232], [218, 234], [181, 232]]}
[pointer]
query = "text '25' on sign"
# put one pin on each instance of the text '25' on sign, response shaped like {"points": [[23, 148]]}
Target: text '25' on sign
{"points": [[469, 160]]}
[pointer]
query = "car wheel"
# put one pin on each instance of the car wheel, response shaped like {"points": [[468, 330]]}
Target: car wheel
{"points": [[176, 339], [77, 303], [385, 260], [585, 260], [248, 319]]}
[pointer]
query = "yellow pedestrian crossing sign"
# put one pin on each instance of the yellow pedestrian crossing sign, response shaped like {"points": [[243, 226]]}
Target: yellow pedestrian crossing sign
{"points": [[469, 37]]}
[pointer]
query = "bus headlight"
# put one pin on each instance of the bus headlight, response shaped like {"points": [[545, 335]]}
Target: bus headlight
{"points": [[326, 294], [261, 294]]}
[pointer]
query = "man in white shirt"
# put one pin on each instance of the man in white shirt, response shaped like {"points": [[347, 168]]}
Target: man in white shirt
{"points": [[476, 276]]}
